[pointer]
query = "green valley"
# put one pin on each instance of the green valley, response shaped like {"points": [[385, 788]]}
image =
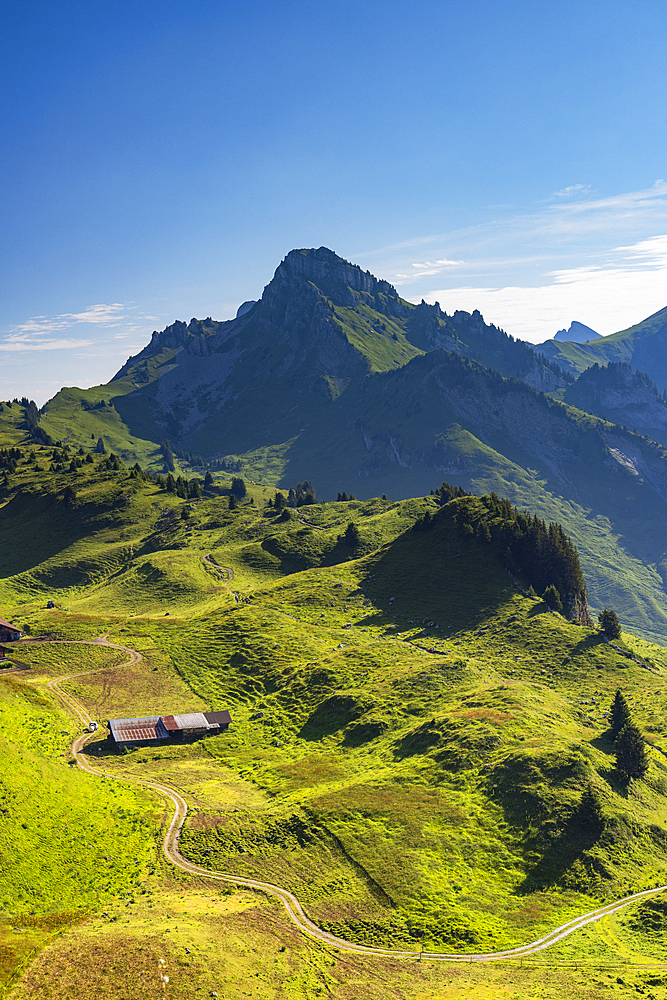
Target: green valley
{"points": [[416, 741]]}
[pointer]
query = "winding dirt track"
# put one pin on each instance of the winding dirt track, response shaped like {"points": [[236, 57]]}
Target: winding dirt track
{"points": [[288, 899]]}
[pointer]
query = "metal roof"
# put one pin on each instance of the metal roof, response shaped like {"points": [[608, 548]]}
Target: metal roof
{"points": [[131, 730], [193, 720], [218, 718], [160, 727]]}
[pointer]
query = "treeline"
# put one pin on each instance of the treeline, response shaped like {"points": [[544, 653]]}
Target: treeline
{"points": [[541, 552]]}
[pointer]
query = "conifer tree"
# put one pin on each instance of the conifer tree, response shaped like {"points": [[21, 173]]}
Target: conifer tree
{"points": [[551, 598], [631, 756], [208, 480], [279, 502], [233, 502], [619, 713], [610, 624], [239, 488]]}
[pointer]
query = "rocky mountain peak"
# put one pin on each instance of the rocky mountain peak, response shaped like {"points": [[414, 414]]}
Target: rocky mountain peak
{"points": [[342, 282]]}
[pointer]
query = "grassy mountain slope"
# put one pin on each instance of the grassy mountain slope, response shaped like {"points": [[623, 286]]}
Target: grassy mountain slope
{"points": [[643, 346], [411, 739], [123, 545], [333, 378], [390, 718]]}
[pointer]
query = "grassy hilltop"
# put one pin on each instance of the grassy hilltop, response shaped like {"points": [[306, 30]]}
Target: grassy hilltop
{"points": [[413, 737]]}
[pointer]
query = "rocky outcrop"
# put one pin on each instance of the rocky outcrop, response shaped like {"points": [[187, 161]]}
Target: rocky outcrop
{"points": [[344, 283], [621, 396]]}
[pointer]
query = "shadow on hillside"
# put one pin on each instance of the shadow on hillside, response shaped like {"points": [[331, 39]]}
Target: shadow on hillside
{"points": [[331, 716], [569, 846], [588, 643], [434, 574], [38, 526]]}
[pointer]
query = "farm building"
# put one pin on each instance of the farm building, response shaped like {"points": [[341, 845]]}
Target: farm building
{"points": [[9, 633], [163, 728]]}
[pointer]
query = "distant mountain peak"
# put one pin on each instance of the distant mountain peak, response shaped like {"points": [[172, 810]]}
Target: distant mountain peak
{"points": [[578, 333]]}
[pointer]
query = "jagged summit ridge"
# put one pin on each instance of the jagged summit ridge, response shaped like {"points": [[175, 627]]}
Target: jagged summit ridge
{"points": [[324, 266]]}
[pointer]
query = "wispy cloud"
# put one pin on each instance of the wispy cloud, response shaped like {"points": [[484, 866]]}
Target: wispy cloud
{"points": [[553, 230], [99, 315], [37, 333], [429, 267], [572, 191], [21, 343]]}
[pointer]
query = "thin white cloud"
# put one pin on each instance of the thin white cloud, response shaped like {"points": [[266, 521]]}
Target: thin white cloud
{"points": [[22, 344], [572, 190], [429, 267], [112, 314], [37, 333], [557, 230]]}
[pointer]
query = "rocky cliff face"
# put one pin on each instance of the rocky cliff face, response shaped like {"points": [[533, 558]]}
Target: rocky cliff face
{"points": [[622, 396]]}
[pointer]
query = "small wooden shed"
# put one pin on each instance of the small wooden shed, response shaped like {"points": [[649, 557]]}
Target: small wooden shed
{"points": [[9, 633]]}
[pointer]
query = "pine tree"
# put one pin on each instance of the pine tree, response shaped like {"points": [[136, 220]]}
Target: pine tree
{"points": [[619, 714], [233, 502], [610, 624], [279, 502], [239, 488], [208, 480], [631, 756], [99, 447], [170, 484]]}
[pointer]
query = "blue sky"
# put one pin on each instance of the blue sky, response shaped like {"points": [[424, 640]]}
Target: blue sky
{"points": [[159, 159]]}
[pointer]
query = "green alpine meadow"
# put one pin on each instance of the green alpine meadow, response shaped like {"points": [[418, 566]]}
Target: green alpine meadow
{"points": [[422, 566]]}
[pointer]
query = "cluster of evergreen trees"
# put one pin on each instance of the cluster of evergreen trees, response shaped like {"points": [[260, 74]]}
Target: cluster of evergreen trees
{"points": [[9, 457], [35, 432], [542, 552], [446, 492], [186, 489], [593, 374], [343, 497], [196, 461], [301, 494]]}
